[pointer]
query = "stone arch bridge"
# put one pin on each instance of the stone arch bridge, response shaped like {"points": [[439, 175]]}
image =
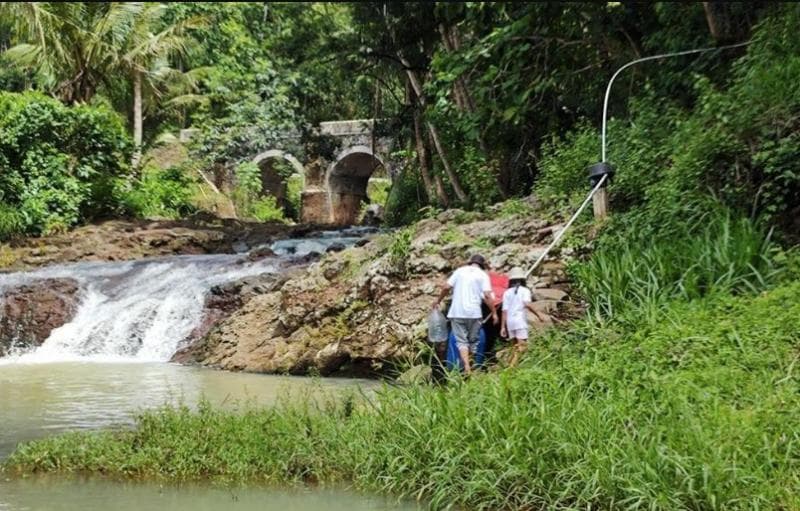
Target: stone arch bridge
{"points": [[335, 187]]}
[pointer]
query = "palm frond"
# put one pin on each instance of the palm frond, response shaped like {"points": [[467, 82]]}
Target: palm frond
{"points": [[24, 55], [188, 100]]}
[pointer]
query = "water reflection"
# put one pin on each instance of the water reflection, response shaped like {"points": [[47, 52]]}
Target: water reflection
{"points": [[51, 494]]}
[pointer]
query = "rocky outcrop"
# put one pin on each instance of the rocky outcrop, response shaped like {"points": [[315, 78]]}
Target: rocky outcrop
{"points": [[28, 313], [225, 299], [122, 240], [363, 310]]}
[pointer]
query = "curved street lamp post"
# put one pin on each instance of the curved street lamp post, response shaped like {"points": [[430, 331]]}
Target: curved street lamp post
{"points": [[600, 173]]}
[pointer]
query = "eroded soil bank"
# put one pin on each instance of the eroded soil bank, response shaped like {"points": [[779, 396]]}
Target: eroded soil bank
{"points": [[124, 240]]}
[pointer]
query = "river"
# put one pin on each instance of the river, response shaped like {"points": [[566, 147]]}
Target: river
{"points": [[111, 361], [44, 398]]}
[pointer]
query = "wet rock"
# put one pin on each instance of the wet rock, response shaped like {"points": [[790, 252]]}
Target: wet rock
{"points": [[415, 375], [379, 286], [240, 247], [545, 307], [330, 358], [120, 240], [335, 247], [260, 253], [356, 313], [450, 215], [225, 299], [549, 294], [429, 264], [30, 312], [306, 259], [486, 230], [361, 242], [505, 256], [333, 267], [373, 216], [456, 253], [428, 233]]}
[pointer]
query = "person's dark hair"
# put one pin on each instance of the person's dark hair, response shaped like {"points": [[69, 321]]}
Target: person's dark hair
{"points": [[479, 260], [516, 283]]}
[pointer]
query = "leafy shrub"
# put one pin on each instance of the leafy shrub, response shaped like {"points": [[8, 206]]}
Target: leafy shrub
{"points": [[406, 198], [248, 199], [294, 194], [477, 173], [248, 178], [59, 165], [266, 209], [514, 207], [160, 193], [638, 150], [11, 222], [378, 191], [400, 249]]}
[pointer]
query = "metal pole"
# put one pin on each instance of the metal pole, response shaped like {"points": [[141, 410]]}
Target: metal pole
{"points": [[557, 237], [645, 59]]}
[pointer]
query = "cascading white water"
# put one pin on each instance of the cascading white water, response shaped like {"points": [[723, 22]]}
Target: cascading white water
{"points": [[142, 310], [138, 310]]}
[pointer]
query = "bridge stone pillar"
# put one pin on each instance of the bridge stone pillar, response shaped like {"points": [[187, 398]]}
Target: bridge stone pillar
{"points": [[316, 206], [335, 190]]}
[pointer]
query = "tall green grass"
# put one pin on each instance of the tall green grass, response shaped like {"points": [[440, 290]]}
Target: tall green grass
{"points": [[714, 252], [697, 411]]}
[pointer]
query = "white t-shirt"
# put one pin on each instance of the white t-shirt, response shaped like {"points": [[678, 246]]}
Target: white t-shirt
{"points": [[514, 300], [469, 283]]}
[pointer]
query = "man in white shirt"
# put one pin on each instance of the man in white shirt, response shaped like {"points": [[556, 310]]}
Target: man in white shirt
{"points": [[470, 286]]}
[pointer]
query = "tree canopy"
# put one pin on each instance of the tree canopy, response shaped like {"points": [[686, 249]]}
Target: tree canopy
{"points": [[474, 92]]}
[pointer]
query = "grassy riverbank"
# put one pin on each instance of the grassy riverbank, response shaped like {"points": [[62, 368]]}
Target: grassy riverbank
{"points": [[698, 410]]}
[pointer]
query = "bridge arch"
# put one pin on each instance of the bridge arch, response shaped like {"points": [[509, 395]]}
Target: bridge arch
{"points": [[274, 182], [347, 180]]}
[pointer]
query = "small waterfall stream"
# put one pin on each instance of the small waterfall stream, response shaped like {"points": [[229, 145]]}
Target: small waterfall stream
{"points": [[142, 310]]}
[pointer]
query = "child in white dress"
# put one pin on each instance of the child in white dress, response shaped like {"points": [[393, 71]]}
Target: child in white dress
{"points": [[516, 300]]}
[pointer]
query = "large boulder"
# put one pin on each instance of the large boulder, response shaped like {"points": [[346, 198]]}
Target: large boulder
{"points": [[29, 312]]}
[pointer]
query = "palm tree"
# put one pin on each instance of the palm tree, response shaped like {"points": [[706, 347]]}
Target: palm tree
{"points": [[145, 57], [76, 47], [62, 43]]}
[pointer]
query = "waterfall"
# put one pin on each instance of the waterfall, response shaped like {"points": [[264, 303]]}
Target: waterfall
{"points": [[138, 310], [142, 310]]}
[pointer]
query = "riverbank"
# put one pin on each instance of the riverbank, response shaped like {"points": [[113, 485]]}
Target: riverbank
{"points": [[126, 240], [695, 411]]}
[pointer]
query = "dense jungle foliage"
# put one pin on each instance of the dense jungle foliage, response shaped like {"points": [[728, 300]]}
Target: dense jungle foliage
{"points": [[486, 100]]}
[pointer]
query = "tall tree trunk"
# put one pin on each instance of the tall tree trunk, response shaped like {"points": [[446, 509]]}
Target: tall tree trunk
{"points": [[723, 23], [434, 190], [460, 193], [463, 97], [137, 118], [417, 86]]}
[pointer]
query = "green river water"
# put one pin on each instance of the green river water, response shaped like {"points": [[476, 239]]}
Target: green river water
{"points": [[40, 399]]}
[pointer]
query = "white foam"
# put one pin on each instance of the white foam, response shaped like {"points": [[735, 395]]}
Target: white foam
{"points": [[134, 311]]}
